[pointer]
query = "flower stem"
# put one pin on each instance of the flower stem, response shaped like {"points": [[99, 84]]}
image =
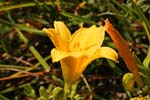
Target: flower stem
{"points": [[90, 90], [67, 89], [70, 90], [74, 87]]}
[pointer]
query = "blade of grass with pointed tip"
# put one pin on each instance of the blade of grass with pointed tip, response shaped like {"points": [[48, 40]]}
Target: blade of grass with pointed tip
{"points": [[146, 61], [34, 52], [137, 11], [3, 98], [24, 28], [12, 66], [29, 4], [28, 29], [79, 18]]}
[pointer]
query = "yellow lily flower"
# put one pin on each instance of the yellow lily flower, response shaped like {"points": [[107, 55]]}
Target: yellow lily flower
{"points": [[75, 51]]}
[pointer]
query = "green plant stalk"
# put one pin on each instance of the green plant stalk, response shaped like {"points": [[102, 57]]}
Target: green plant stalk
{"points": [[3, 45], [28, 29], [16, 70], [119, 5], [147, 30], [124, 7], [30, 4], [90, 90], [7, 90], [12, 88], [79, 18], [139, 13], [120, 17], [31, 68], [144, 22], [74, 87], [3, 98], [40, 58], [67, 89], [129, 94], [24, 28], [10, 18], [70, 90], [12, 66], [146, 61], [34, 51], [115, 10], [113, 66], [55, 78]]}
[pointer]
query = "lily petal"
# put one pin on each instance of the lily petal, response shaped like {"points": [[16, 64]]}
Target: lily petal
{"points": [[72, 68], [58, 42], [84, 38], [62, 30], [109, 53], [105, 52], [58, 55]]}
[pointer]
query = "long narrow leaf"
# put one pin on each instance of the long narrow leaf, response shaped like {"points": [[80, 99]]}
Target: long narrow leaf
{"points": [[29, 4], [79, 18], [146, 61], [24, 28], [34, 52]]}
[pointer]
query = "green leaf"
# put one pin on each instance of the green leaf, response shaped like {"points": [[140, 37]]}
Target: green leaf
{"points": [[29, 91], [57, 79], [115, 67], [145, 73], [146, 61], [137, 59], [3, 98], [58, 93], [42, 98], [50, 86], [43, 92], [128, 81], [41, 20], [24, 28], [22, 5], [146, 81], [143, 70], [29, 29], [34, 51], [79, 18]]}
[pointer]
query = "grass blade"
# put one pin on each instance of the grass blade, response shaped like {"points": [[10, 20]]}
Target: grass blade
{"points": [[34, 51], [79, 18]]}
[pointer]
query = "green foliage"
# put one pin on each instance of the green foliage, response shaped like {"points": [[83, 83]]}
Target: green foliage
{"points": [[128, 81], [44, 95], [146, 61], [58, 93], [25, 49], [3, 98], [29, 91]]}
